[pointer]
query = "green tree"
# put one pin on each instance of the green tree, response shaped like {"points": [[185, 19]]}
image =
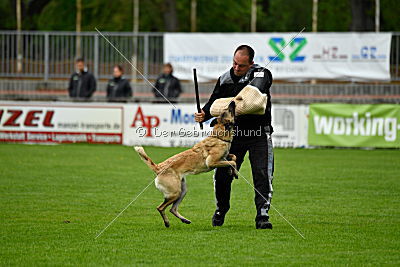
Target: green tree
{"points": [[212, 15], [57, 16], [334, 16], [390, 18], [284, 16], [223, 16], [8, 18]]}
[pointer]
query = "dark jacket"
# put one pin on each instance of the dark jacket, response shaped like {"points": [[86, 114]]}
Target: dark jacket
{"points": [[167, 85], [82, 85], [229, 85], [118, 89]]}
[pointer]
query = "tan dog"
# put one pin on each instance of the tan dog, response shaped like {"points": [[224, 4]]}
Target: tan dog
{"points": [[206, 155]]}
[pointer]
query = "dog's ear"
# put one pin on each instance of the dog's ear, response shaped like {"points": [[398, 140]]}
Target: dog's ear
{"points": [[232, 107], [213, 122]]}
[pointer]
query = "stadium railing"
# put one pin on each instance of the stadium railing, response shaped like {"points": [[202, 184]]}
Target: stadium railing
{"points": [[50, 55], [295, 93], [46, 62]]}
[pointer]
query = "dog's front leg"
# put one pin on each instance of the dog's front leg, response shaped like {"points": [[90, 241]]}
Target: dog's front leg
{"points": [[213, 163], [232, 171], [231, 157]]}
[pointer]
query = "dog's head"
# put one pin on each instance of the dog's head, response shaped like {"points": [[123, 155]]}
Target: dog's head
{"points": [[227, 118]]}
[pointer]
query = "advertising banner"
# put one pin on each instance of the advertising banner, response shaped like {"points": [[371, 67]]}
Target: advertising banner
{"points": [[60, 123], [347, 125], [164, 125], [290, 125], [340, 56], [129, 124]]}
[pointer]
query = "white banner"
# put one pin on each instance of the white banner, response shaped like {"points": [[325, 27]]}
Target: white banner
{"points": [[340, 56], [60, 123], [163, 125], [290, 124], [129, 124]]}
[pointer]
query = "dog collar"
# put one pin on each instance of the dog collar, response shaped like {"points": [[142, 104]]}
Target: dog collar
{"points": [[221, 139]]}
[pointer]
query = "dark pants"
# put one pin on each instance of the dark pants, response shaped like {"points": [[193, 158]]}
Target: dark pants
{"points": [[262, 167]]}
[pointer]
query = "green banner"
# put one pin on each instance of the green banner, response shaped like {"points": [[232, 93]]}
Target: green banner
{"points": [[347, 125]]}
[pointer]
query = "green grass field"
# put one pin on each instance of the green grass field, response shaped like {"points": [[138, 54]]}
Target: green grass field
{"points": [[345, 202]]}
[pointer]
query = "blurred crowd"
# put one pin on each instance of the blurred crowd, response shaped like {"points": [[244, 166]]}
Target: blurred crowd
{"points": [[82, 84]]}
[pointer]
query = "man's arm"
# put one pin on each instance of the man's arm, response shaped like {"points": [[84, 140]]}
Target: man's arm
{"points": [[214, 96], [70, 86], [177, 88], [157, 86], [92, 85], [270, 79], [128, 89], [108, 90], [263, 83]]}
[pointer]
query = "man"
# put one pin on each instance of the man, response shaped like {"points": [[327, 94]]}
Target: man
{"points": [[167, 84], [82, 83], [118, 88], [243, 72]]}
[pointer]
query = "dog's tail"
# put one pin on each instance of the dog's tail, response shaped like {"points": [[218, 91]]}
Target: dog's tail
{"points": [[149, 162]]}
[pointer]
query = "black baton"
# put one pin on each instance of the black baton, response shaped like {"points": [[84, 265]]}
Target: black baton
{"points": [[196, 89]]}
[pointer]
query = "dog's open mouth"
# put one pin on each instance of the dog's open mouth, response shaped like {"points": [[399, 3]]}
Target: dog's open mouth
{"points": [[232, 107], [229, 126]]}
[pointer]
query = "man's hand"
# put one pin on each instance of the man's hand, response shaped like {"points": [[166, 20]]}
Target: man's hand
{"points": [[199, 117]]}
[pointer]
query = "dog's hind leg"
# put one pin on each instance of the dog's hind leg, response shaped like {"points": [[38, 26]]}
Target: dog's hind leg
{"points": [[161, 208], [174, 209], [169, 186]]}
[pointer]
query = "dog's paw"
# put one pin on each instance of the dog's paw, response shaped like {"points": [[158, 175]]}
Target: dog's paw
{"points": [[166, 224], [186, 221], [235, 174], [231, 157]]}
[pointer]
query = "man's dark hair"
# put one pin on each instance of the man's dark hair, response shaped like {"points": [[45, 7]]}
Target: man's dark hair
{"points": [[169, 65], [247, 50], [80, 59], [119, 67]]}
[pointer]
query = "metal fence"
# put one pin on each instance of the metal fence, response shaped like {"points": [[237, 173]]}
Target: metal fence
{"points": [[50, 55], [287, 93], [35, 65]]}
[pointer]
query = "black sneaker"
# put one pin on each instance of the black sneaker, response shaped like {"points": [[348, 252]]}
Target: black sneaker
{"points": [[218, 218], [263, 223]]}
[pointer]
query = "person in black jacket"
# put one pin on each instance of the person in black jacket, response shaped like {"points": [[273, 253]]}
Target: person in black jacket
{"points": [[82, 83], [118, 88], [252, 133], [167, 85]]}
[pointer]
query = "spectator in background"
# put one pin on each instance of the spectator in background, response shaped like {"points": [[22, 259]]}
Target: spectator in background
{"points": [[82, 83], [118, 88], [167, 85]]}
